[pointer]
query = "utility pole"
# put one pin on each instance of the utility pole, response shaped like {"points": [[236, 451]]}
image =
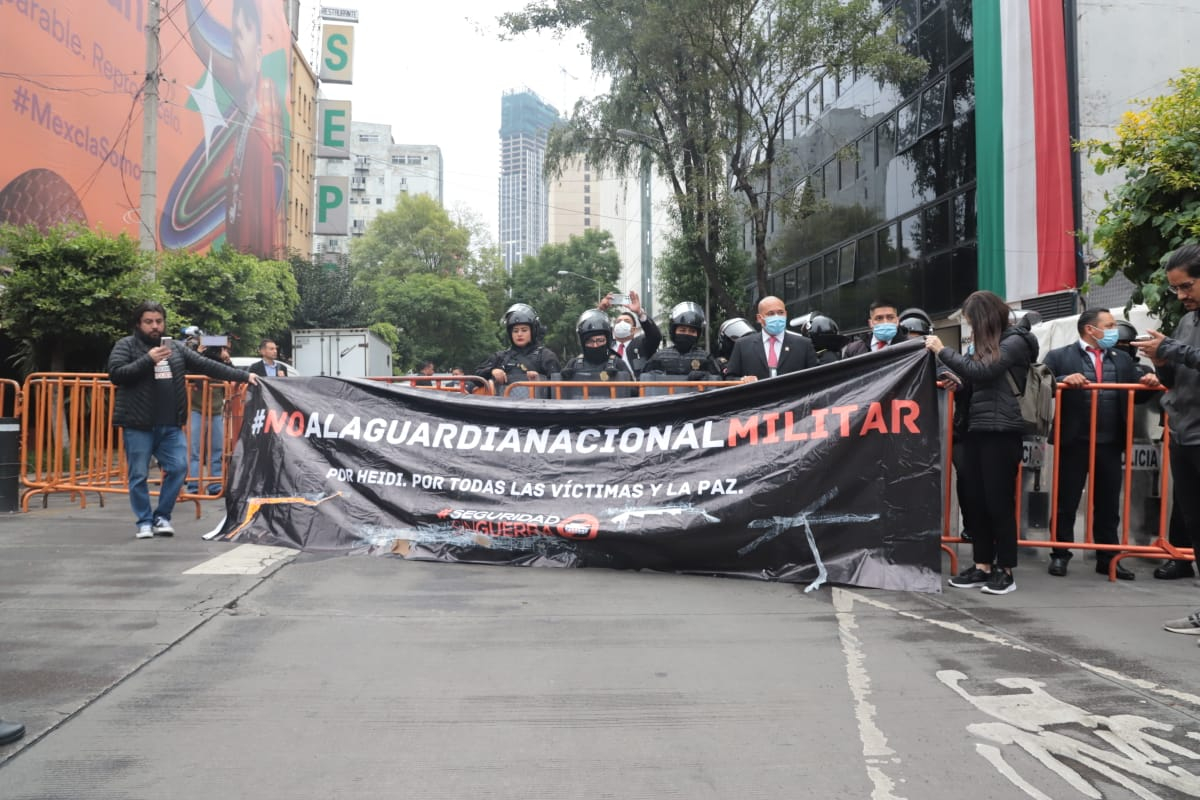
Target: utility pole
{"points": [[148, 211]]}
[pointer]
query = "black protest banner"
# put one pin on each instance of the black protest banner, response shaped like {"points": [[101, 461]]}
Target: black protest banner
{"points": [[832, 473]]}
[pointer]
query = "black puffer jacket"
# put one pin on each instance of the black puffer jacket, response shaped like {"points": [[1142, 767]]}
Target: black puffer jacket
{"points": [[131, 369], [993, 406]]}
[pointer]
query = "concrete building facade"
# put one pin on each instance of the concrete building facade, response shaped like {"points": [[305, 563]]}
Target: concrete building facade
{"points": [[302, 169], [380, 172]]}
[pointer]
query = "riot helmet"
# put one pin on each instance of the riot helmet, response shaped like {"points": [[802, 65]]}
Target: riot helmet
{"points": [[592, 323], [823, 331], [1126, 333], [915, 322], [1125, 336], [731, 330], [522, 314], [691, 315]]}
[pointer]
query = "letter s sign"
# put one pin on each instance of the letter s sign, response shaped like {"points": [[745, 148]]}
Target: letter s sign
{"points": [[337, 54]]}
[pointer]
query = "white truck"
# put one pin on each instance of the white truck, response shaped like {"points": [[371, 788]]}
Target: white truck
{"points": [[341, 353]]}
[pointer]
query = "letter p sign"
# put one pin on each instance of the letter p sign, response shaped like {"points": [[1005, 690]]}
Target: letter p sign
{"points": [[333, 213]]}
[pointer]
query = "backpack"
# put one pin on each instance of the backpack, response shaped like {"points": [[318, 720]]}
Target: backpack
{"points": [[1037, 401]]}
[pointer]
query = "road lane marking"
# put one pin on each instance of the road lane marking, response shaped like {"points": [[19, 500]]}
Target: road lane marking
{"points": [[246, 559], [876, 752]]}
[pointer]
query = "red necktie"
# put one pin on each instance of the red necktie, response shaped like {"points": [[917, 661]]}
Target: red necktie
{"points": [[1098, 356], [880, 345], [772, 356], [621, 349]]}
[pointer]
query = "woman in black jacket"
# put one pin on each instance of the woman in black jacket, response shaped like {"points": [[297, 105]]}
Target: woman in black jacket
{"points": [[992, 450]]}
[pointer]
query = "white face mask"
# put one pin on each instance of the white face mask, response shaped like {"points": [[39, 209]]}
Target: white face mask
{"points": [[622, 330]]}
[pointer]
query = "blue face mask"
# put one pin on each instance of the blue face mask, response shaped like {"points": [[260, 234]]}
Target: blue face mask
{"points": [[1109, 338], [775, 325], [884, 331], [970, 351]]}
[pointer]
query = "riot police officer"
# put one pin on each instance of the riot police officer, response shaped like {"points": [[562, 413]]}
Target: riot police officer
{"points": [[825, 335], [598, 362], [914, 324], [526, 359], [684, 359], [731, 330]]}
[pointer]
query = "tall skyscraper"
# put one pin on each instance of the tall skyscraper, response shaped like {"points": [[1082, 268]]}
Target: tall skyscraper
{"points": [[525, 123]]}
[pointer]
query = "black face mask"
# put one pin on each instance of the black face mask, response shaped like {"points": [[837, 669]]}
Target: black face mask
{"points": [[684, 342], [595, 355]]}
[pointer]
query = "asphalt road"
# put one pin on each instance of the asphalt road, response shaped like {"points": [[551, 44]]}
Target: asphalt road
{"points": [[180, 668]]}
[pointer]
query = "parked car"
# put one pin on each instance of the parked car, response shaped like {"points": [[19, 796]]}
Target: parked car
{"points": [[244, 362]]}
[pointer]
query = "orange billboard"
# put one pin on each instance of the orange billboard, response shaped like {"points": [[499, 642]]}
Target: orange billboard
{"points": [[73, 109]]}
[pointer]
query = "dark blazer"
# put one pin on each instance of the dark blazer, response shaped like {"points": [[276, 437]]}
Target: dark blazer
{"points": [[1074, 412], [641, 348], [131, 369], [866, 344], [749, 357], [258, 368]]}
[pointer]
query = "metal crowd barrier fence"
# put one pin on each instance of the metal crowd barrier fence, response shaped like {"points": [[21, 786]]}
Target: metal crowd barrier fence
{"points": [[585, 390], [463, 384], [69, 445], [1158, 548]]}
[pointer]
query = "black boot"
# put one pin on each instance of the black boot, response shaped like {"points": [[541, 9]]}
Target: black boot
{"points": [[1173, 570]]}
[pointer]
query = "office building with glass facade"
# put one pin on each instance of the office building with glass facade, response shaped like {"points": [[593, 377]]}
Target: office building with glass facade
{"points": [[965, 178]]}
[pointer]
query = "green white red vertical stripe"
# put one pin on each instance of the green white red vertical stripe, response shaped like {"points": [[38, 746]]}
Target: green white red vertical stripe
{"points": [[1023, 149]]}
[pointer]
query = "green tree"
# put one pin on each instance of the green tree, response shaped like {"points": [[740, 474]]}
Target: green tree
{"points": [[443, 318], [485, 264], [560, 299], [680, 281], [708, 87], [1157, 207], [226, 291], [70, 293], [416, 237], [328, 295]]}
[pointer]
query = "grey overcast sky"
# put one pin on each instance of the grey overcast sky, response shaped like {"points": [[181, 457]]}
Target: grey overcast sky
{"points": [[435, 71]]}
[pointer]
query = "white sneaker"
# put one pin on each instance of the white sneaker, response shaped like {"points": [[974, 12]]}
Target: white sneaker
{"points": [[144, 532], [162, 527]]}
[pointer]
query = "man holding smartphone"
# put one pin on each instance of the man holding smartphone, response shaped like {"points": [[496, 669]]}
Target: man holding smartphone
{"points": [[149, 372], [631, 346]]}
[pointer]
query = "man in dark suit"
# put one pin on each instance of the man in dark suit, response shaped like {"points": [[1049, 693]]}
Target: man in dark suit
{"points": [[776, 352], [1092, 359], [634, 348], [883, 321], [268, 367]]}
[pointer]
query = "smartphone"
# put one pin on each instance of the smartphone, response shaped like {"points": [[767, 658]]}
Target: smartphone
{"points": [[621, 299], [165, 341], [1145, 337]]}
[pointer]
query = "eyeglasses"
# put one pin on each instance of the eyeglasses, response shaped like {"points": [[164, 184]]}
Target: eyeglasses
{"points": [[1186, 286]]}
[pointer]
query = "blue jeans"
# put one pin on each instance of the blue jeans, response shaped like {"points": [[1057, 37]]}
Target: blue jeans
{"points": [[165, 443], [215, 454]]}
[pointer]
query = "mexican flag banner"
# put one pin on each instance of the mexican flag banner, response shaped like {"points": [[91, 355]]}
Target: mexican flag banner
{"points": [[1023, 148]]}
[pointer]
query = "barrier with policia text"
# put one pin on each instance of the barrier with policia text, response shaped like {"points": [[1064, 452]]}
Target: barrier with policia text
{"points": [[829, 474]]}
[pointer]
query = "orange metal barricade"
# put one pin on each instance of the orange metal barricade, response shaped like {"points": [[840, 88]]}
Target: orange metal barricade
{"points": [[10, 398], [463, 384], [614, 389], [1159, 548], [69, 444]]}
